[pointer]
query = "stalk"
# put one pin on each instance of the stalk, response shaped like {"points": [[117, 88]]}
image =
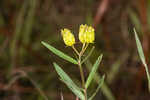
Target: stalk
{"points": [[84, 47]]}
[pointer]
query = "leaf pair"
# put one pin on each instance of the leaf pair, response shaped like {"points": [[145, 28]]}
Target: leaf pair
{"points": [[92, 75]]}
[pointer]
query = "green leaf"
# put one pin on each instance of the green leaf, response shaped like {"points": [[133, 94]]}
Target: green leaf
{"points": [[59, 53], [105, 89], [94, 69], [139, 47], [67, 80], [142, 57], [99, 86]]}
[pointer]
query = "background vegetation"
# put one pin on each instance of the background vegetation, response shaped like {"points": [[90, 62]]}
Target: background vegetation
{"points": [[26, 70]]}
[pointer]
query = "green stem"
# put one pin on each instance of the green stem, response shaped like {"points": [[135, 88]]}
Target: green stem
{"points": [[76, 51], [84, 47], [82, 78], [148, 76], [85, 93], [81, 72]]}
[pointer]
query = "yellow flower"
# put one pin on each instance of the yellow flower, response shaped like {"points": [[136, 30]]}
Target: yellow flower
{"points": [[68, 37], [86, 34]]}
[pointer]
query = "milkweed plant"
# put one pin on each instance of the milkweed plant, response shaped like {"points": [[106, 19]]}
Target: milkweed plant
{"points": [[86, 37]]}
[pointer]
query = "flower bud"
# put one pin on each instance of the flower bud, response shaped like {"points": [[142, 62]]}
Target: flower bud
{"points": [[86, 34], [68, 37]]}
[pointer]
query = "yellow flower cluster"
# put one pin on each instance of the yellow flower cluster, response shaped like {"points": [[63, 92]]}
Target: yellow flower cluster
{"points": [[68, 37], [86, 35]]}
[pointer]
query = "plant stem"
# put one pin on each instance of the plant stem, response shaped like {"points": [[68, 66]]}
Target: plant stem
{"points": [[82, 77], [81, 73], [85, 93], [148, 76], [81, 70], [76, 51], [84, 47]]}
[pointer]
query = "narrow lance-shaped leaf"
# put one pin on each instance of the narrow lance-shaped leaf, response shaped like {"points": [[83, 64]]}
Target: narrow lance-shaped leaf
{"points": [[99, 86], [67, 80], [139, 47], [141, 54], [104, 89], [59, 53], [94, 69]]}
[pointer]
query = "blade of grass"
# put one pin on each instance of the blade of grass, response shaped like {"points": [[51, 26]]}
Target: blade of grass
{"points": [[59, 53], [14, 50], [99, 86], [67, 80], [29, 21], [94, 69], [142, 57]]}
